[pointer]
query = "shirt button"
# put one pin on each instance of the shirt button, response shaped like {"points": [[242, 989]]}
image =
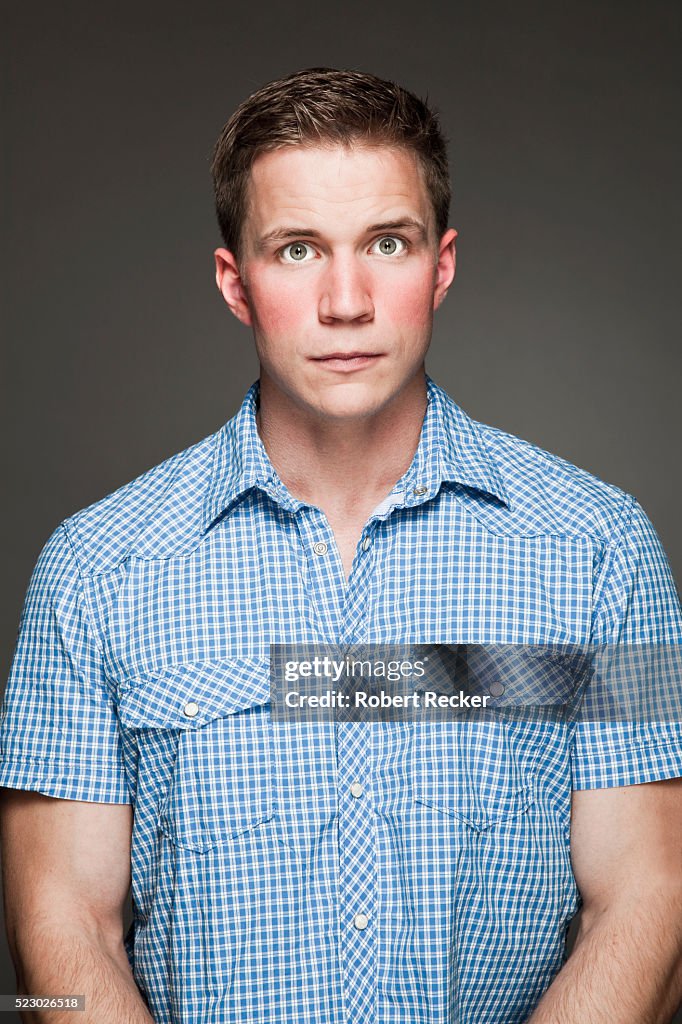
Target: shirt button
{"points": [[420, 489], [366, 543], [320, 548], [360, 921], [191, 709], [356, 789]]}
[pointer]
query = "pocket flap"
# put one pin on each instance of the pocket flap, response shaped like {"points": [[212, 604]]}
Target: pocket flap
{"points": [[190, 695], [511, 677]]}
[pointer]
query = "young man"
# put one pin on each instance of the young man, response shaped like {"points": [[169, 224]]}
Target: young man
{"points": [[322, 873]]}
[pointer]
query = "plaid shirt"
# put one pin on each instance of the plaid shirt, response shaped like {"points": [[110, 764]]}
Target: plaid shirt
{"points": [[321, 872]]}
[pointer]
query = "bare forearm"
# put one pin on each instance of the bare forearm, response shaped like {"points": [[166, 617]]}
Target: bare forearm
{"points": [[626, 968], [76, 963]]}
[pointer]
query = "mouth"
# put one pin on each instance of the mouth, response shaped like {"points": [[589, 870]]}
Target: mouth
{"points": [[348, 360]]}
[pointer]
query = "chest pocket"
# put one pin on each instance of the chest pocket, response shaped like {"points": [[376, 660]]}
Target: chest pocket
{"points": [[478, 770], [484, 768], [206, 726]]}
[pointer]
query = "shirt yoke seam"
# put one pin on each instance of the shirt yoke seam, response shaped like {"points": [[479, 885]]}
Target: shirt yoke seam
{"points": [[615, 542], [82, 596]]}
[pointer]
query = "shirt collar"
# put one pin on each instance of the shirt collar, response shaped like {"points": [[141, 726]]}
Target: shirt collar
{"points": [[464, 456], [451, 448], [240, 461]]}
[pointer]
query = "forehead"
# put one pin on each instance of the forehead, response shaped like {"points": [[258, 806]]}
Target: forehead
{"points": [[335, 184]]}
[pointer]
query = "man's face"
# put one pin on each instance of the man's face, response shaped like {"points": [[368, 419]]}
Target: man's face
{"points": [[339, 257]]}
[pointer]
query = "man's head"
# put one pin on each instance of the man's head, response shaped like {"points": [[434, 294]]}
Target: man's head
{"points": [[325, 107], [332, 196]]}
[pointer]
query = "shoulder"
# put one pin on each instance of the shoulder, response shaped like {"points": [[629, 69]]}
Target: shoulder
{"points": [[548, 494], [539, 492], [544, 493], [159, 512]]}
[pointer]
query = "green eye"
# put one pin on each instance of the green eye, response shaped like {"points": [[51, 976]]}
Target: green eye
{"points": [[297, 251], [388, 246]]}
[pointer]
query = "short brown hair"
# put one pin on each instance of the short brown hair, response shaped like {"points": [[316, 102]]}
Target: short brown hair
{"points": [[325, 106]]}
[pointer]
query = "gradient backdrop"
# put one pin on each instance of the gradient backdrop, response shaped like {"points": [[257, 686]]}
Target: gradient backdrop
{"points": [[563, 323]]}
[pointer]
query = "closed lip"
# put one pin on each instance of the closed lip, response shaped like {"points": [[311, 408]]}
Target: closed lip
{"points": [[349, 355]]}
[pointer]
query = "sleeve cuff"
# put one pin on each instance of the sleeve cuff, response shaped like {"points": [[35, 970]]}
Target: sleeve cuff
{"points": [[96, 782], [630, 766]]}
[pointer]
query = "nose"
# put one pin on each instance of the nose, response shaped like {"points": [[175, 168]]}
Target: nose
{"points": [[346, 292]]}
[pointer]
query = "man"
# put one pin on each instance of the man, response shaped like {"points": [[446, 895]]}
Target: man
{"points": [[337, 872]]}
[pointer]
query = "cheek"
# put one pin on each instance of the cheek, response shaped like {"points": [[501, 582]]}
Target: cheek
{"points": [[276, 309], [410, 305]]}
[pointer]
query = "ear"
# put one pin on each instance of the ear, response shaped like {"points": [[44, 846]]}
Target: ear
{"points": [[446, 266], [231, 286]]}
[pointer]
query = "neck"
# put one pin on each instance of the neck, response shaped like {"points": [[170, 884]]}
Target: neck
{"points": [[345, 466]]}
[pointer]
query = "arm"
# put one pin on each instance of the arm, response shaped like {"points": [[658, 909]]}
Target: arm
{"points": [[66, 876], [626, 967]]}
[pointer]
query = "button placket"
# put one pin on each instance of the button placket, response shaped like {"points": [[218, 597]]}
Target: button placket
{"points": [[322, 572], [357, 864]]}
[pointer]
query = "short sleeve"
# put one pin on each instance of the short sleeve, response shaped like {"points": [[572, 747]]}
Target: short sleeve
{"points": [[58, 727], [636, 602]]}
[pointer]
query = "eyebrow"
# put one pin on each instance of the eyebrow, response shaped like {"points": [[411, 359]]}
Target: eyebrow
{"points": [[409, 223], [283, 234]]}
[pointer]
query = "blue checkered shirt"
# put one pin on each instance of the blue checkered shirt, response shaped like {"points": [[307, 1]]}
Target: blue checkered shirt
{"points": [[321, 872]]}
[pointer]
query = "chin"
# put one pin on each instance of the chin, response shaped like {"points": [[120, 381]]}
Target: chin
{"points": [[346, 407]]}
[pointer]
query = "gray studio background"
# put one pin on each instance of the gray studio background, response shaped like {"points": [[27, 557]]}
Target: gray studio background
{"points": [[563, 323]]}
